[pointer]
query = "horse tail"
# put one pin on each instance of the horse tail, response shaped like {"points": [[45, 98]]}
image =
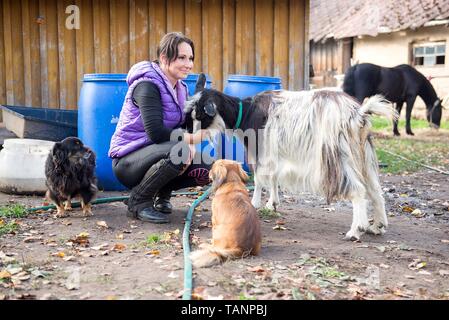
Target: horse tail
{"points": [[379, 105], [349, 81]]}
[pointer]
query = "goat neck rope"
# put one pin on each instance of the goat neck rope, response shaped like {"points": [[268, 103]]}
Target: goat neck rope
{"points": [[239, 118]]}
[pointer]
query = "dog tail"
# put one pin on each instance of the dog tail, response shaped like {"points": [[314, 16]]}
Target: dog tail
{"points": [[211, 256], [379, 105]]}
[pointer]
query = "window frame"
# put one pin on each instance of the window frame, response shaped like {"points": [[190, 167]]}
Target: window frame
{"points": [[425, 47]]}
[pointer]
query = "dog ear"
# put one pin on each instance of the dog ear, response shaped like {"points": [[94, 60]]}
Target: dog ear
{"points": [[217, 175], [242, 173], [200, 83], [210, 110], [58, 154]]}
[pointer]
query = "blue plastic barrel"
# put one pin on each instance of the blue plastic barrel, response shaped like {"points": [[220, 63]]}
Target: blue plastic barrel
{"points": [[243, 86], [99, 106], [191, 82]]}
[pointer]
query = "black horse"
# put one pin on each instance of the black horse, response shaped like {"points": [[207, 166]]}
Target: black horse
{"points": [[399, 84]]}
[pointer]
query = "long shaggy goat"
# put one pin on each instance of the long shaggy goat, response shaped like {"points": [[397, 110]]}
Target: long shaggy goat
{"points": [[317, 141]]}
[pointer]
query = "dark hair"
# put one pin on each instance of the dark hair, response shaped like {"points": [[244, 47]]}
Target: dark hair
{"points": [[169, 45]]}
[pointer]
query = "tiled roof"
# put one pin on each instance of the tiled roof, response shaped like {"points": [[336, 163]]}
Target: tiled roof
{"points": [[350, 18]]}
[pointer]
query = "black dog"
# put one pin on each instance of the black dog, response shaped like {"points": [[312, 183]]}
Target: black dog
{"points": [[70, 172]]}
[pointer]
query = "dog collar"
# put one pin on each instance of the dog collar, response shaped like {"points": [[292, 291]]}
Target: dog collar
{"points": [[239, 118]]}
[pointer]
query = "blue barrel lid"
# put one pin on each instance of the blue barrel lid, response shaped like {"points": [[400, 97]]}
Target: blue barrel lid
{"points": [[104, 77], [247, 78]]}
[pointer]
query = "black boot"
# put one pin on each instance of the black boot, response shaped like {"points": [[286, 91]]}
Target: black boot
{"points": [[162, 201], [141, 198]]}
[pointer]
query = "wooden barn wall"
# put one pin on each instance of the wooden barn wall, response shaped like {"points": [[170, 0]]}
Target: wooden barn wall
{"points": [[42, 62], [326, 59]]}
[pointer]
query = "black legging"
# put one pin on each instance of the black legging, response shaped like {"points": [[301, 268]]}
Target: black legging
{"points": [[131, 168]]}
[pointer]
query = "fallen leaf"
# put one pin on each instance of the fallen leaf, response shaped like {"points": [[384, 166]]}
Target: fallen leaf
{"points": [[100, 247], [424, 272], [407, 209], [69, 258], [256, 269], [60, 254], [5, 274], [119, 247], [31, 239], [153, 252], [102, 224], [418, 213], [2, 222], [443, 273], [278, 227]]}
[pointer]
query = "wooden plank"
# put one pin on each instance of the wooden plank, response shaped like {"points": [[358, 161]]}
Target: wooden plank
{"points": [[36, 82], [306, 46], [101, 17], [264, 37], [296, 40], [43, 53], [212, 48], [26, 40], [51, 20], [281, 52], [193, 30], [2, 61], [67, 57], [245, 37], [9, 80], [229, 32], [158, 25], [17, 51], [83, 61], [119, 36], [175, 16], [138, 32]]}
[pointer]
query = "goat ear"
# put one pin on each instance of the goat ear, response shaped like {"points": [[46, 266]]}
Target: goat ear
{"points": [[210, 110], [200, 83], [243, 175], [217, 175]]}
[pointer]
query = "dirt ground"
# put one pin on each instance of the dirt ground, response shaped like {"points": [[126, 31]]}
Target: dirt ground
{"points": [[303, 256]]}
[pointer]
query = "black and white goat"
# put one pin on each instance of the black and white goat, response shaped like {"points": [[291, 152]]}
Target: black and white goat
{"points": [[317, 141]]}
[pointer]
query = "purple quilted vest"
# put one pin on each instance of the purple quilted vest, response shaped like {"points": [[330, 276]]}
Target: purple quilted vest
{"points": [[130, 134]]}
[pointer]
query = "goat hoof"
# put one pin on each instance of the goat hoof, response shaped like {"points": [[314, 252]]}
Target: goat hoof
{"points": [[376, 229], [271, 206], [256, 204], [352, 236]]}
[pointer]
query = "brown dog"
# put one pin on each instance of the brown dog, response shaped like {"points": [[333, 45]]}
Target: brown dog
{"points": [[235, 223]]}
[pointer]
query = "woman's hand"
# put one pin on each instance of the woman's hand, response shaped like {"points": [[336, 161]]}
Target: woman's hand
{"points": [[197, 137]]}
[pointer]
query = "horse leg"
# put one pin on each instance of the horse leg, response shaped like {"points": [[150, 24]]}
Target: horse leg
{"points": [[395, 122], [408, 115]]}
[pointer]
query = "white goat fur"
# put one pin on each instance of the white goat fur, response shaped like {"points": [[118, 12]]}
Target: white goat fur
{"points": [[319, 141]]}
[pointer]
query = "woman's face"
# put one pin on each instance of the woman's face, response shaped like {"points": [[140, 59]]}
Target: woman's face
{"points": [[180, 67]]}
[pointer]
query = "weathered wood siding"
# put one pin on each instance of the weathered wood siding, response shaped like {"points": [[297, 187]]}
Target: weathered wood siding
{"points": [[42, 62]]}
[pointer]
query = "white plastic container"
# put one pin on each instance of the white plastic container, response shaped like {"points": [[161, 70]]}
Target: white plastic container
{"points": [[22, 166]]}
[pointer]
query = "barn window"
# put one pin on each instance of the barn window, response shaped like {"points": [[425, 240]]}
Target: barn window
{"points": [[429, 54]]}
